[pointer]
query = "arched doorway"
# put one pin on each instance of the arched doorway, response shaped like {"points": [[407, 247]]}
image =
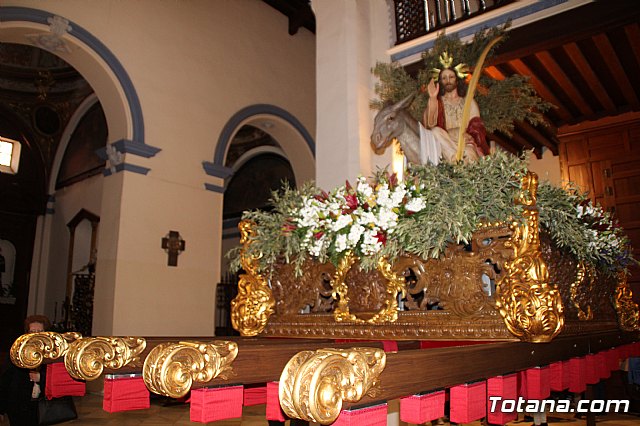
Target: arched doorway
{"points": [[56, 54]]}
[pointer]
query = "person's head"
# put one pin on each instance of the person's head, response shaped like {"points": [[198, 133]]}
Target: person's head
{"points": [[449, 81], [36, 323]]}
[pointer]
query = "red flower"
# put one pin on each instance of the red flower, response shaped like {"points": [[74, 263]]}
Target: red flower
{"points": [[323, 196], [318, 235], [381, 237], [288, 227], [393, 180], [352, 201]]}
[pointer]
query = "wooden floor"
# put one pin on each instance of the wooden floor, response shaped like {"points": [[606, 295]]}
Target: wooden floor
{"points": [[163, 412]]}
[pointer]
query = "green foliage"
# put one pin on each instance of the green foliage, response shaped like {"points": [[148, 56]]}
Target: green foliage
{"points": [[583, 230], [501, 102], [457, 198]]}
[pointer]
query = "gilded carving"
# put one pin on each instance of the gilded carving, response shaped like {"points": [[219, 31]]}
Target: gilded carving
{"points": [[314, 384], [30, 350], [254, 304], [582, 284], [531, 307], [87, 357], [310, 291], [171, 368], [627, 309], [386, 302]]}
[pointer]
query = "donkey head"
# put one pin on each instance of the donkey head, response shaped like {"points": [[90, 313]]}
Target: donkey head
{"points": [[389, 124]]}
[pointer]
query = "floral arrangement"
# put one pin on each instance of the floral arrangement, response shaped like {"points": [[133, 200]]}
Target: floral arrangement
{"points": [[583, 229], [430, 209]]}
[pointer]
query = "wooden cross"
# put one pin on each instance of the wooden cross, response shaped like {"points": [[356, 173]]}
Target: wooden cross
{"points": [[173, 244]]}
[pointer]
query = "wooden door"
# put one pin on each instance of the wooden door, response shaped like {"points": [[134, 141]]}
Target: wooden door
{"points": [[605, 162]]}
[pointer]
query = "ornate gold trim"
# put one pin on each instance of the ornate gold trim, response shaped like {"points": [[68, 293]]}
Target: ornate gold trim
{"points": [[171, 368], [313, 385], [88, 356], [627, 309], [584, 276], [530, 307], [254, 304], [29, 350], [394, 284]]}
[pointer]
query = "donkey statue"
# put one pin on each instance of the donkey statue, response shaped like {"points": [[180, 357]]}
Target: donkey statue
{"points": [[419, 145]]}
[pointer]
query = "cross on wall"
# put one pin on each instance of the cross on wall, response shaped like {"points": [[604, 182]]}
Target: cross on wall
{"points": [[173, 244]]}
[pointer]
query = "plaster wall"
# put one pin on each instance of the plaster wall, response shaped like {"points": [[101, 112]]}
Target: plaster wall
{"points": [[69, 201], [193, 64], [547, 167]]}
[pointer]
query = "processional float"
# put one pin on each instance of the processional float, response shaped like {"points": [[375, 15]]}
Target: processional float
{"points": [[350, 300]]}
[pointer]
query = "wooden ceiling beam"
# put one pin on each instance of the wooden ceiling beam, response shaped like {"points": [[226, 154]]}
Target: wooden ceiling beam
{"points": [[633, 36], [506, 144], [542, 89], [527, 144], [575, 54], [611, 59], [558, 74], [575, 24], [534, 133], [494, 73]]}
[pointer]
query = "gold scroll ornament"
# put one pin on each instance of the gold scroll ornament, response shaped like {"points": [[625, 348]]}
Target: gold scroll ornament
{"points": [[171, 368], [627, 309], [530, 307], [585, 277], [30, 350], [87, 357], [314, 384], [394, 284], [254, 304]]}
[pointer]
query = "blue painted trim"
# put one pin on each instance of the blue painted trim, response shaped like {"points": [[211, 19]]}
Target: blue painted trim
{"points": [[136, 148], [467, 31], [214, 188], [50, 211], [232, 125], [221, 172], [102, 153], [40, 17], [51, 198], [127, 167]]}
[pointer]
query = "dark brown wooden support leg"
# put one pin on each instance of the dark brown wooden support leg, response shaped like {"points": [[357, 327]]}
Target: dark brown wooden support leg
{"points": [[590, 416]]}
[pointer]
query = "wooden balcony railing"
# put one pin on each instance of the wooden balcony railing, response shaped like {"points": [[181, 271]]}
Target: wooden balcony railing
{"points": [[415, 18]]}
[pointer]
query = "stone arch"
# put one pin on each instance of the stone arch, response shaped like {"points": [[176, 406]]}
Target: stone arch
{"points": [[95, 62], [296, 142]]}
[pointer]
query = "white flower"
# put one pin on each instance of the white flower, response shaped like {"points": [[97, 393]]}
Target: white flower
{"points": [[370, 244], [354, 234], [341, 222], [398, 195], [317, 246], [364, 188], [341, 243], [387, 219], [366, 218], [415, 205], [384, 197]]}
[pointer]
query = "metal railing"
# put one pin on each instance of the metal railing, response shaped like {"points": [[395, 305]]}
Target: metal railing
{"points": [[415, 18]]}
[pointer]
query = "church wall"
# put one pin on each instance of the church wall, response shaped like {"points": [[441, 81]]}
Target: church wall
{"points": [[69, 201], [547, 167], [193, 63]]}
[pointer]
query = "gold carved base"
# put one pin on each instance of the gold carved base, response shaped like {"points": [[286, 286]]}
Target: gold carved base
{"points": [[314, 384]]}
